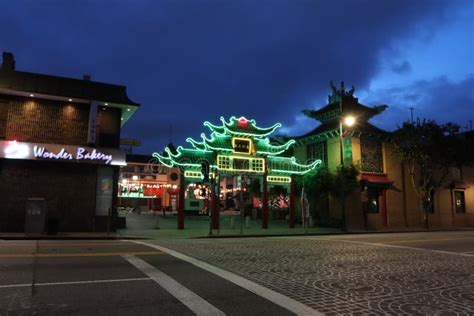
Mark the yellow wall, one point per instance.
(403, 205)
(334, 153)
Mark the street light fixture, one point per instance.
(349, 121)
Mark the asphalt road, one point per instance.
(114, 278)
(377, 274)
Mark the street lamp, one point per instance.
(349, 121)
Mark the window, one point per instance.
(223, 162)
(258, 165)
(371, 154)
(459, 202)
(318, 151)
(373, 202)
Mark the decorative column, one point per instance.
(291, 215)
(214, 206)
(265, 202)
(181, 202)
(384, 208)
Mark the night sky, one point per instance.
(189, 61)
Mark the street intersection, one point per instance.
(369, 274)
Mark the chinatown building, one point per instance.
(59, 151)
(236, 152)
(345, 136)
(146, 185)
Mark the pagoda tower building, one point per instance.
(344, 137)
(386, 199)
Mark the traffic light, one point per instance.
(205, 171)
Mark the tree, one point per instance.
(339, 183)
(344, 181)
(428, 150)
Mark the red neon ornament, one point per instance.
(243, 123)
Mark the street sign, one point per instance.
(130, 141)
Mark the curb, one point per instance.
(216, 236)
(334, 233)
(70, 238)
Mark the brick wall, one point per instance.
(47, 121)
(68, 188)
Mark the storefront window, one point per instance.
(459, 202)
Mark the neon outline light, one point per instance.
(250, 150)
(278, 179)
(220, 146)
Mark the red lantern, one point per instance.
(243, 123)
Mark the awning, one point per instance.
(458, 184)
(377, 181)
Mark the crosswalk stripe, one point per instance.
(193, 301)
(275, 297)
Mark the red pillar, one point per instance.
(214, 212)
(265, 202)
(181, 202)
(291, 215)
(384, 208)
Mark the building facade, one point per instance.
(59, 150)
(386, 199)
(146, 185)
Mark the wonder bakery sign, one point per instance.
(33, 151)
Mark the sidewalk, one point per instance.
(148, 225)
(59, 236)
(153, 226)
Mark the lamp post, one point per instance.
(349, 121)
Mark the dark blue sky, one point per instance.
(187, 61)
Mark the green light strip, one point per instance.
(278, 179)
(278, 149)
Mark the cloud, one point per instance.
(402, 68)
(440, 99)
(191, 61)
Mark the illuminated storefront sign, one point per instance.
(35, 151)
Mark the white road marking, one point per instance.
(394, 246)
(193, 301)
(275, 297)
(73, 282)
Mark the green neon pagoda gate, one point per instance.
(237, 147)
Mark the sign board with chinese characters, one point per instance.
(67, 153)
